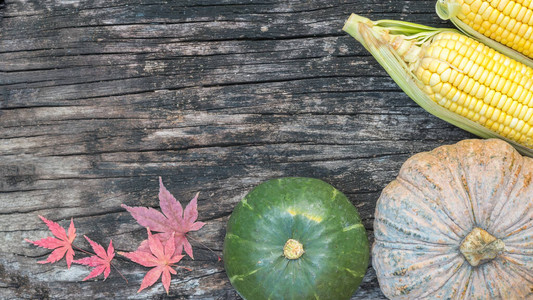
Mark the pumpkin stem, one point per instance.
(293, 249)
(480, 247)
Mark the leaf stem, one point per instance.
(120, 273)
(188, 269)
(84, 251)
(90, 253)
(197, 241)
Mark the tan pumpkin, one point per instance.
(457, 223)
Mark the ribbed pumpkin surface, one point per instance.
(307, 210)
(438, 199)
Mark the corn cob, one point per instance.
(495, 23)
(454, 77)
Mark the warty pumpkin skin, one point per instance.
(457, 223)
(295, 238)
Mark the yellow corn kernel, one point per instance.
(505, 21)
(502, 4)
(512, 108)
(496, 115)
(523, 96)
(492, 97)
(507, 104)
(526, 128)
(488, 88)
(520, 111)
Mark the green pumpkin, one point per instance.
(295, 238)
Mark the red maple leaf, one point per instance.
(62, 245)
(101, 261)
(159, 257)
(173, 220)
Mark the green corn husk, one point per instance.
(372, 35)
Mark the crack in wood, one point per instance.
(22, 286)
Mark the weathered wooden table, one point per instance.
(100, 97)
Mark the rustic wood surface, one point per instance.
(100, 97)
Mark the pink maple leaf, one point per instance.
(101, 261)
(61, 243)
(162, 259)
(173, 220)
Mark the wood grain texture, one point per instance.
(100, 97)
